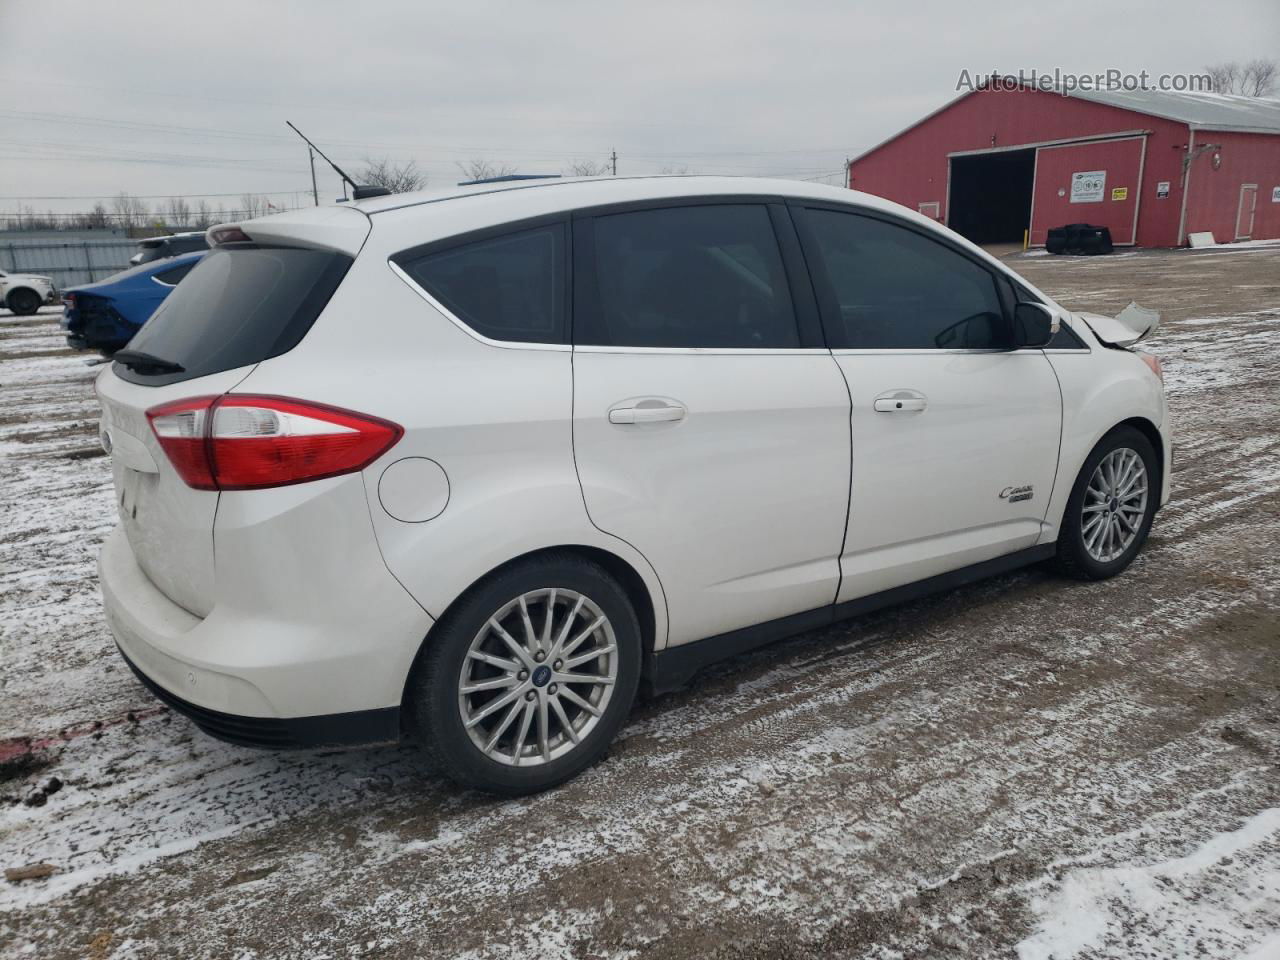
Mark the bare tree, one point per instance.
(129, 211)
(178, 212)
(587, 168)
(1257, 78)
(675, 170)
(253, 205)
(202, 217)
(398, 178)
(96, 219)
(485, 169)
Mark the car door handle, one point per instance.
(655, 414)
(901, 401)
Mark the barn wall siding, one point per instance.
(1214, 195)
(912, 169)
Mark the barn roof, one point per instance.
(1203, 111)
(1210, 111)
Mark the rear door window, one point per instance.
(240, 305)
(895, 289)
(687, 277)
(509, 286)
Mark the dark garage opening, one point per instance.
(991, 195)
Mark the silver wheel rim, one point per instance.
(537, 677)
(1115, 504)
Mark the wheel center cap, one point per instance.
(1114, 505)
(541, 676)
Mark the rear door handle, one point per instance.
(901, 401)
(653, 414)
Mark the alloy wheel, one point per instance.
(1115, 504)
(537, 677)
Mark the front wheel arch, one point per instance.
(1152, 433)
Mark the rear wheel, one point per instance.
(527, 679)
(1111, 507)
(23, 302)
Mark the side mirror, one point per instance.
(1034, 325)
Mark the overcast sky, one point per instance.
(191, 98)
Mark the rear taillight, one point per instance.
(244, 442)
(69, 301)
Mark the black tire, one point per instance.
(23, 302)
(1073, 558)
(432, 698)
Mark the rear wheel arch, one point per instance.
(628, 578)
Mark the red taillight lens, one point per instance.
(230, 235)
(244, 442)
(183, 431)
(69, 301)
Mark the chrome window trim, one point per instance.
(708, 351)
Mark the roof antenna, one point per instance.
(357, 192)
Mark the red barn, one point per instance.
(1152, 166)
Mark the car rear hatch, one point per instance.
(248, 300)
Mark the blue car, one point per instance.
(105, 315)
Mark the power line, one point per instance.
(167, 196)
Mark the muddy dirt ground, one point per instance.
(1026, 767)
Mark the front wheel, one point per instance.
(1111, 507)
(527, 679)
(24, 302)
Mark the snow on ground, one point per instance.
(1022, 767)
(1211, 902)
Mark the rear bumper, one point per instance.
(292, 679)
(365, 726)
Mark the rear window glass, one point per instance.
(509, 287)
(240, 305)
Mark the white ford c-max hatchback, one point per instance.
(473, 466)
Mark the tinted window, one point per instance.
(707, 276)
(510, 287)
(238, 306)
(897, 289)
(1065, 339)
(171, 277)
(179, 245)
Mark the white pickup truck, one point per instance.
(25, 293)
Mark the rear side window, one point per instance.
(694, 276)
(897, 289)
(508, 287)
(239, 305)
(171, 277)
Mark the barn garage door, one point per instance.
(1094, 182)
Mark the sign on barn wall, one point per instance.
(1088, 187)
(1162, 190)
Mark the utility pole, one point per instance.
(315, 194)
(613, 159)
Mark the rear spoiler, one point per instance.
(1130, 325)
